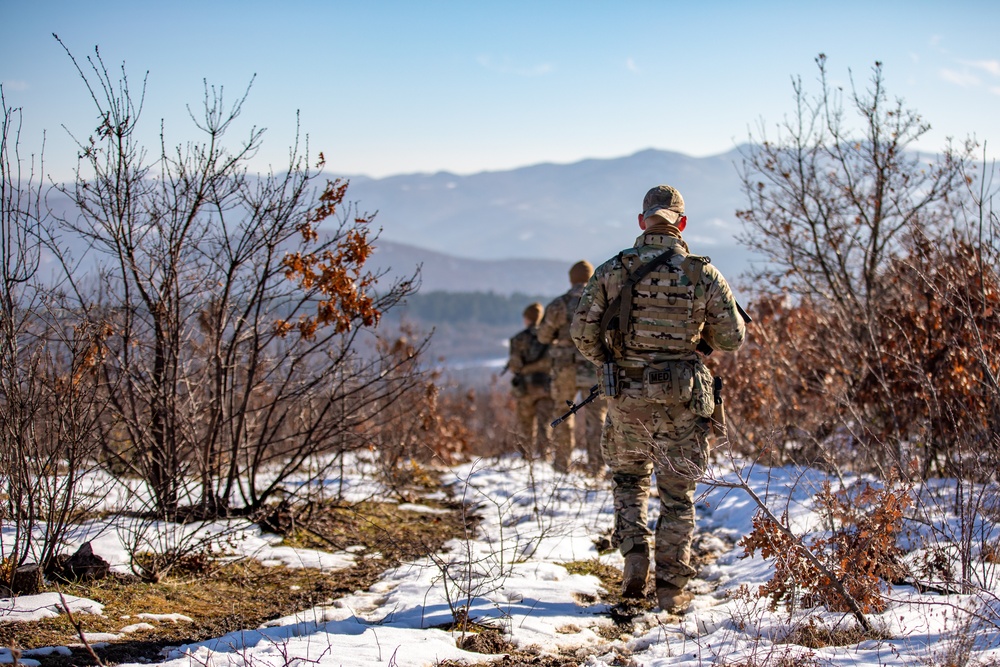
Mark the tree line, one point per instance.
(476, 307)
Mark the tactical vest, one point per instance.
(657, 305)
(532, 353)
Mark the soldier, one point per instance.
(644, 317)
(531, 385)
(571, 373)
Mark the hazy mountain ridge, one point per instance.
(520, 230)
(561, 213)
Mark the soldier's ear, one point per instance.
(642, 222)
(682, 222)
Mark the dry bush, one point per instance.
(50, 387)
(927, 391)
(940, 356)
(242, 346)
(780, 388)
(866, 274)
(441, 423)
(490, 415)
(848, 569)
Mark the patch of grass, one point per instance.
(224, 597)
(611, 577)
(812, 634)
(239, 595)
(383, 528)
(779, 658)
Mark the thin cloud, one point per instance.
(631, 66)
(15, 84)
(505, 66)
(990, 66)
(963, 78)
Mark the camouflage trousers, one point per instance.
(533, 411)
(566, 386)
(643, 437)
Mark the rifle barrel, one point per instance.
(595, 391)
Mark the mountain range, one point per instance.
(520, 230)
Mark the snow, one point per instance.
(46, 605)
(511, 575)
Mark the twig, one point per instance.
(79, 629)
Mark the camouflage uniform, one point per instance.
(530, 363)
(572, 375)
(652, 424)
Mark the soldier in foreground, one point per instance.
(641, 319)
(531, 385)
(571, 373)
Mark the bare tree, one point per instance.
(243, 345)
(832, 203)
(19, 253)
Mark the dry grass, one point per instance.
(814, 635)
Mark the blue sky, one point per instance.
(398, 87)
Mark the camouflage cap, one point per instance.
(533, 313)
(663, 201)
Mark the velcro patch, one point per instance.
(658, 377)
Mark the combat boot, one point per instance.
(634, 574)
(671, 598)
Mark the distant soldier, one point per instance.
(531, 385)
(572, 373)
(646, 312)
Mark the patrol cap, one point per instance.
(581, 272)
(663, 201)
(533, 313)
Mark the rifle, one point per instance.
(595, 392)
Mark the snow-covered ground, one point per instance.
(511, 576)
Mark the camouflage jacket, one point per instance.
(709, 306)
(554, 329)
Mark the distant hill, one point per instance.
(555, 212)
(447, 273)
